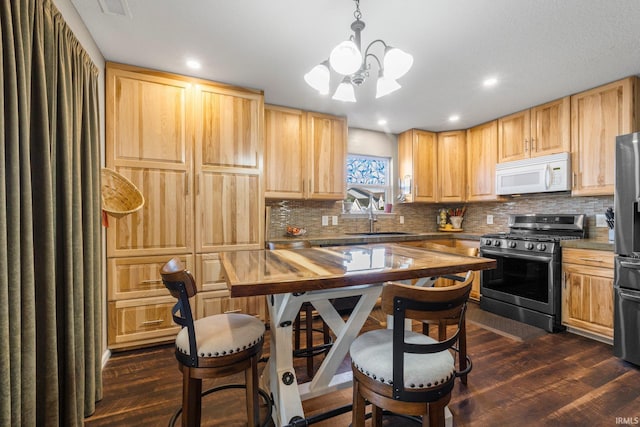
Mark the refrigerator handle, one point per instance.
(628, 296)
(636, 166)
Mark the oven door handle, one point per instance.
(540, 258)
(635, 265)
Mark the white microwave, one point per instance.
(535, 175)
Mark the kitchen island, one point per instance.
(290, 278)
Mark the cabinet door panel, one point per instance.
(602, 301)
(141, 321)
(327, 137)
(149, 119)
(285, 161)
(138, 277)
(550, 125)
(451, 166)
(163, 225)
(597, 117)
(230, 212)
(482, 156)
(218, 302)
(210, 273)
(425, 169)
(513, 136)
(228, 128)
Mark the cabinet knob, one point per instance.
(526, 145)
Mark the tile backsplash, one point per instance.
(422, 217)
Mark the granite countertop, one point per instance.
(350, 239)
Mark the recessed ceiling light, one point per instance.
(192, 63)
(492, 81)
(382, 122)
(454, 118)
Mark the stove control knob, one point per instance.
(529, 246)
(487, 242)
(512, 244)
(542, 246)
(496, 243)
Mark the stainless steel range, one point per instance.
(525, 285)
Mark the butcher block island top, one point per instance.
(265, 272)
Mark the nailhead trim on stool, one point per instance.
(223, 334)
(372, 354)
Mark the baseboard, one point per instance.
(591, 335)
(105, 357)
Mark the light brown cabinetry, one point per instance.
(538, 131)
(451, 167)
(228, 152)
(139, 308)
(305, 154)
(194, 149)
(597, 117)
(587, 292)
(417, 160)
(327, 143)
(482, 156)
(149, 142)
(285, 152)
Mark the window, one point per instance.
(368, 179)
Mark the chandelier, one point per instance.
(347, 59)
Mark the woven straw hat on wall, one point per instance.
(120, 196)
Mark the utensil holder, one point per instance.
(456, 221)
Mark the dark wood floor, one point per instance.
(555, 380)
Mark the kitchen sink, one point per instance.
(380, 233)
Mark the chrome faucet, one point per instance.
(372, 218)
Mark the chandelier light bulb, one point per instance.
(345, 91)
(396, 62)
(318, 78)
(385, 86)
(346, 58)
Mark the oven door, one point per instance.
(522, 279)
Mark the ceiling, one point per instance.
(539, 50)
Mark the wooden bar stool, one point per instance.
(403, 371)
(309, 351)
(214, 346)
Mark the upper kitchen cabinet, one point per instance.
(285, 154)
(417, 160)
(305, 154)
(482, 155)
(327, 145)
(451, 169)
(228, 168)
(597, 117)
(148, 140)
(538, 131)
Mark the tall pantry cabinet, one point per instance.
(194, 149)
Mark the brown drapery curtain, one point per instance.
(50, 289)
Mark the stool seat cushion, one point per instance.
(372, 354)
(222, 334)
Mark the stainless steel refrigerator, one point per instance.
(626, 326)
